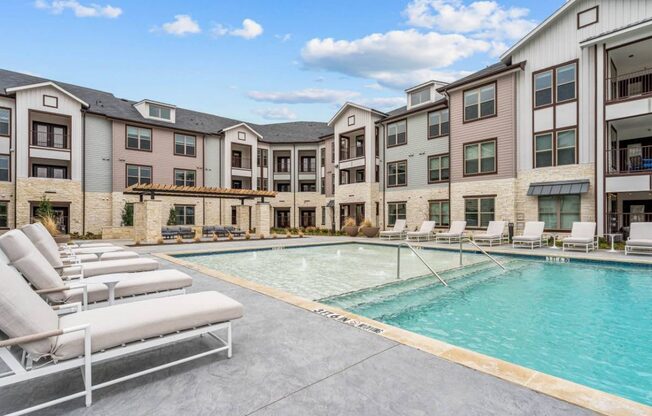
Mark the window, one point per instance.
(183, 177)
(236, 184)
(242, 136)
(157, 111)
(5, 122)
(53, 172)
(307, 187)
(359, 146)
(4, 215)
(344, 177)
(307, 217)
(559, 212)
(308, 164)
(282, 218)
(138, 174)
(262, 158)
(438, 168)
(283, 164)
(332, 183)
(359, 175)
(139, 138)
(4, 168)
(480, 103)
(479, 211)
(322, 157)
(234, 215)
(438, 124)
(344, 148)
(543, 89)
(396, 133)
(322, 186)
(439, 211)
(323, 215)
(49, 135)
(350, 120)
(397, 173)
(543, 150)
(395, 211)
(377, 174)
(262, 183)
(236, 159)
(554, 149)
(185, 214)
(566, 147)
(566, 83)
(184, 145)
(420, 96)
(480, 158)
(282, 187)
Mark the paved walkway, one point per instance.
(289, 361)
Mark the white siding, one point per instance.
(98, 166)
(212, 161)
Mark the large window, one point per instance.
(438, 168)
(262, 183)
(308, 217)
(138, 174)
(479, 211)
(282, 217)
(4, 215)
(282, 187)
(53, 172)
(397, 133)
(439, 211)
(185, 214)
(4, 168)
(322, 157)
(184, 177)
(438, 124)
(420, 96)
(359, 146)
(395, 211)
(555, 149)
(5, 122)
(184, 145)
(480, 158)
(139, 138)
(543, 89)
(480, 103)
(344, 177)
(159, 112)
(262, 158)
(283, 164)
(49, 135)
(307, 187)
(543, 150)
(566, 83)
(397, 173)
(559, 212)
(359, 175)
(308, 164)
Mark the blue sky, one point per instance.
(261, 61)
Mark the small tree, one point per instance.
(45, 209)
(128, 215)
(172, 217)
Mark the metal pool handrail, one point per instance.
(473, 243)
(398, 262)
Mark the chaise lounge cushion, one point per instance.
(639, 242)
(44, 242)
(578, 240)
(128, 322)
(118, 255)
(527, 238)
(117, 266)
(96, 250)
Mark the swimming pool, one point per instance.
(586, 322)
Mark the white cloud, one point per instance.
(305, 96)
(396, 59)
(383, 103)
(250, 29)
(275, 113)
(374, 86)
(284, 38)
(181, 26)
(79, 10)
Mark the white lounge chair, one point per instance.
(45, 343)
(71, 249)
(397, 232)
(44, 242)
(532, 235)
(454, 234)
(424, 233)
(640, 238)
(583, 236)
(495, 234)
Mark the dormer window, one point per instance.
(156, 111)
(419, 97)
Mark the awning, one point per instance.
(559, 188)
(331, 203)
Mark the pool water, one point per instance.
(590, 323)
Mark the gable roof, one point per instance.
(358, 106)
(245, 125)
(491, 70)
(47, 84)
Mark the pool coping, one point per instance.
(562, 389)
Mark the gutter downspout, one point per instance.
(83, 170)
(294, 178)
(15, 147)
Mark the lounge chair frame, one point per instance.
(532, 243)
(492, 240)
(634, 249)
(398, 235)
(589, 246)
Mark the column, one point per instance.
(263, 218)
(147, 221)
(243, 217)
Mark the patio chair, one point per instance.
(397, 232)
(169, 232)
(236, 232)
(454, 234)
(582, 236)
(16, 245)
(186, 232)
(495, 234)
(532, 235)
(220, 231)
(207, 230)
(425, 232)
(41, 343)
(640, 238)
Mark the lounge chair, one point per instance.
(220, 231)
(168, 232)
(425, 232)
(495, 234)
(46, 343)
(454, 234)
(532, 235)
(16, 245)
(72, 249)
(583, 236)
(640, 238)
(236, 232)
(397, 232)
(207, 230)
(186, 232)
(44, 242)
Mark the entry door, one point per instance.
(637, 213)
(345, 212)
(282, 218)
(61, 216)
(359, 213)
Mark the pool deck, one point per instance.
(290, 361)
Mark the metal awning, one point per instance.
(331, 203)
(559, 188)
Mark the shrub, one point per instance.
(366, 223)
(44, 208)
(172, 217)
(214, 238)
(127, 215)
(349, 222)
(300, 234)
(274, 235)
(247, 235)
(159, 240)
(50, 224)
(230, 237)
(261, 236)
(179, 240)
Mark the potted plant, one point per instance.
(368, 229)
(350, 228)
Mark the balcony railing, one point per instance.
(629, 160)
(282, 167)
(240, 162)
(309, 168)
(630, 85)
(618, 222)
(53, 140)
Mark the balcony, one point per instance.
(631, 85)
(630, 160)
(57, 141)
(240, 162)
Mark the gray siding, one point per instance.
(212, 156)
(98, 165)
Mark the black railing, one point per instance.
(618, 222)
(628, 160)
(630, 85)
(54, 140)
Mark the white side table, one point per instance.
(613, 237)
(110, 281)
(554, 240)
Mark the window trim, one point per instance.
(56, 101)
(479, 87)
(479, 142)
(151, 138)
(438, 155)
(42, 165)
(185, 146)
(185, 206)
(10, 123)
(558, 212)
(440, 123)
(420, 91)
(554, 84)
(151, 171)
(8, 167)
(174, 175)
(160, 108)
(479, 198)
(570, 100)
(554, 133)
(403, 120)
(387, 173)
(440, 201)
(395, 203)
(7, 203)
(552, 89)
(597, 16)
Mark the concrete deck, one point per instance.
(289, 361)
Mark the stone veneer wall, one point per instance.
(99, 210)
(7, 195)
(504, 201)
(417, 206)
(366, 192)
(33, 189)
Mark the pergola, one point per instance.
(153, 189)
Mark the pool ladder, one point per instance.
(398, 262)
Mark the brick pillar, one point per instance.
(147, 221)
(263, 217)
(243, 217)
